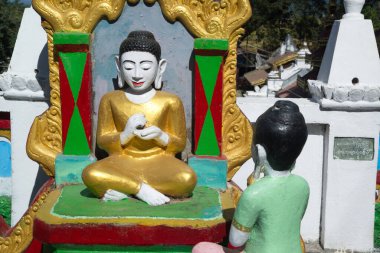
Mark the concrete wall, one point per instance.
(24, 170)
(342, 194)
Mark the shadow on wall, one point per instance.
(42, 72)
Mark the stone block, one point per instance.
(68, 168)
(211, 171)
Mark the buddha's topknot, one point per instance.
(142, 41)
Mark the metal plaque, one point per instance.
(353, 148)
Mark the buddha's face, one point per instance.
(139, 69)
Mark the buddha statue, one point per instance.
(269, 213)
(141, 129)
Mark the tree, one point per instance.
(10, 16)
(272, 20)
(371, 10)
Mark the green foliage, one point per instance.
(10, 16)
(272, 20)
(305, 20)
(371, 11)
(5, 208)
(377, 226)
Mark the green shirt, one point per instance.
(272, 209)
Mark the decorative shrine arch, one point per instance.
(209, 19)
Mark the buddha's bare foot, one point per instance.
(112, 195)
(151, 196)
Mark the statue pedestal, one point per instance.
(73, 219)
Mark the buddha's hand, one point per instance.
(151, 133)
(135, 122)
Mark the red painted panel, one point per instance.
(67, 101)
(34, 247)
(201, 106)
(217, 107)
(72, 48)
(5, 124)
(3, 226)
(125, 235)
(84, 99)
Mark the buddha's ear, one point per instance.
(261, 153)
(160, 71)
(120, 80)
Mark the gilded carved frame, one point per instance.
(213, 19)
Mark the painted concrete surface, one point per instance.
(30, 36)
(5, 158)
(24, 170)
(5, 186)
(68, 168)
(343, 190)
(176, 46)
(351, 52)
(210, 172)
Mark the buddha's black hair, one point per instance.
(282, 131)
(142, 41)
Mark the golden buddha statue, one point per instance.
(141, 129)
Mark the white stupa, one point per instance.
(349, 77)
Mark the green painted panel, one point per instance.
(76, 141)
(204, 204)
(74, 64)
(71, 38)
(208, 144)
(211, 44)
(209, 68)
(114, 249)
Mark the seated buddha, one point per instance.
(141, 129)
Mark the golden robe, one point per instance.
(140, 161)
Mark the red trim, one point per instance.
(230, 246)
(201, 107)
(217, 106)
(125, 235)
(3, 226)
(210, 52)
(5, 124)
(84, 100)
(67, 101)
(222, 157)
(67, 48)
(34, 247)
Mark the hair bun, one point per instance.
(141, 35)
(142, 41)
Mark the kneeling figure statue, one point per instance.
(269, 213)
(141, 129)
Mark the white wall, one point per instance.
(24, 170)
(351, 52)
(342, 191)
(31, 39)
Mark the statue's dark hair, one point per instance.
(282, 131)
(143, 41)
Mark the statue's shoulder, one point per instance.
(112, 95)
(169, 97)
(300, 181)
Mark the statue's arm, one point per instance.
(176, 129)
(245, 217)
(107, 137)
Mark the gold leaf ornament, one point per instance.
(77, 15)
